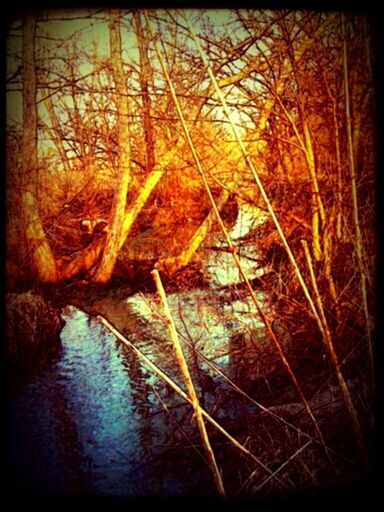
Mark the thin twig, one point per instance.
(280, 467)
(252, 168)
(177, 424)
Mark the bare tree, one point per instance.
(116, 219)
(40, 252)
(144, 78)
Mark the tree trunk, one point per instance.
(318, 212)
(339, 191)
(356, 221)
(87, 259)
(83, 262)
(145, 191)
(112, 243)
(144, 76)
(174, 263)
(42, 259)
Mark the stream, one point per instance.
(97, 421)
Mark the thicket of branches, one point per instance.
(299, 86)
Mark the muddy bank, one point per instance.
(32, 333)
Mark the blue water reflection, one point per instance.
(75, 429)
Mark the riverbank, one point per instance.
(32, 333)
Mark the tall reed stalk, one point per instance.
(232, 248)
(356, 221)
(189, 383)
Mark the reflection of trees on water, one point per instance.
(70, 449)
(136, 376)
(47, 453)
(95, 424)
(156, 429)
(140, 395)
